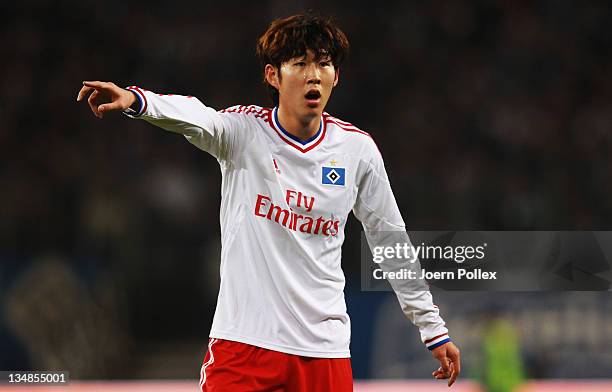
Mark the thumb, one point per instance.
(107, 107)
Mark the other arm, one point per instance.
(377, 210)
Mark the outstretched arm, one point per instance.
(202, 126)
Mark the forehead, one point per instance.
(311, 55)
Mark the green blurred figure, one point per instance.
(503, 366)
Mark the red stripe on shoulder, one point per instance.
(342, 121)
(252, 110)
(348, 127)
(344, 125)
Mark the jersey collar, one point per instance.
(301, 145)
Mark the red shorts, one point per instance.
(237, 367)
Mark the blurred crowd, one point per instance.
(491, 115)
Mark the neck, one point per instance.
(300, 127)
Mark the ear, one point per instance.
(336, 77)
(271, 75)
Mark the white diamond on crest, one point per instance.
(333, 176)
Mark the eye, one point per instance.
(300, 63)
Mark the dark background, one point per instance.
(491, 115)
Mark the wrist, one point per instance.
(138, 102)
(437, 341)
(133, 102)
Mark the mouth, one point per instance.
(313, 97)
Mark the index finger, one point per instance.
(453, 377)
(84, 90)
(456, 360)
(96, 84)
(456, 364)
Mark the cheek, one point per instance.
(297, 85)
(291, 78)
(330, 77)
(288, 85)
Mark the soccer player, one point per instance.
(291, 175)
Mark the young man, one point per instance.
(291, 175)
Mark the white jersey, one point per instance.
(284, 206)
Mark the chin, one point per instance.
(314, 112)
(318, 107)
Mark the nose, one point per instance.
(312, 74)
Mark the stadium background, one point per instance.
(491, 115)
